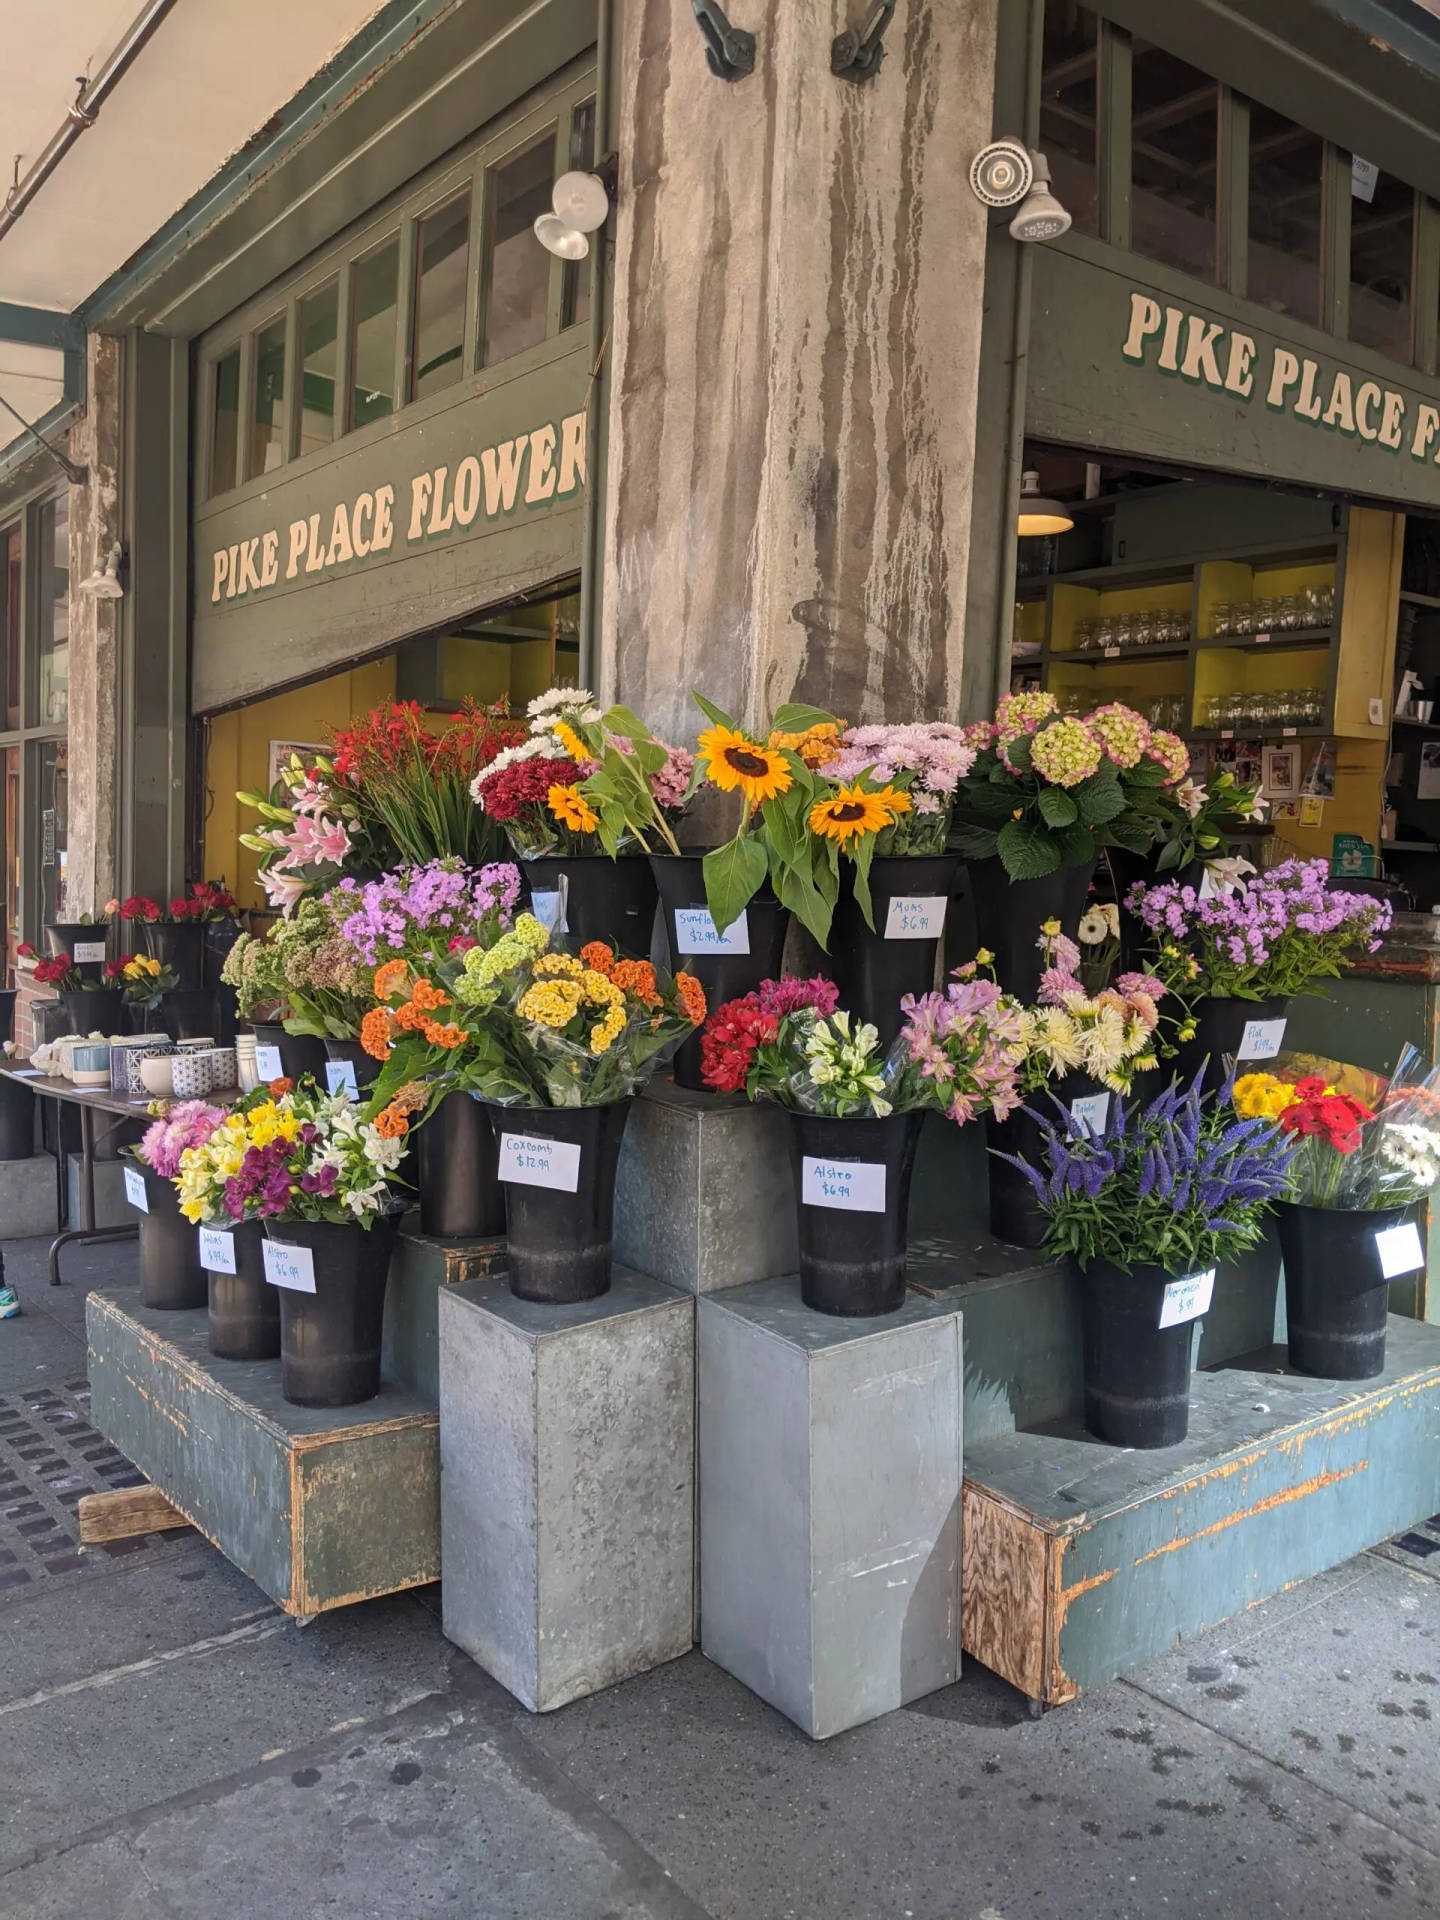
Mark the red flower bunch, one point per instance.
(515, 790)
(52, 970)
(392, 738)
(114, 969)
(139, 907)
(25, 951)
(733, 1034)
(1321, 1113)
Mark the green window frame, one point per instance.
(561, 115)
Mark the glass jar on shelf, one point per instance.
(1222, 620)
(1084, 636)
(1242, 619)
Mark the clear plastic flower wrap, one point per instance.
(1402, 1148)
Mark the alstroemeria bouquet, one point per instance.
(1110, 1035)
(968, 1043)
(522, 1026)
(788, 1042)
(1180, 1184)
(794, 819)
(1048, 790)
(298, 1155)
(189, 1123)
(1276, 934)
(927, 760)
(585, 777)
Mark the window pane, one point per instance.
(52, 528)
(267, 442)
(54, 825)
(226, 413)
(1286, 170)
(1172, 166)
(575, 287)
(10, 550)
(319, 324)
(1382, 241)
(442, 260)
(1067, 108)
(10, 880)
(517, 283)
(373, 332)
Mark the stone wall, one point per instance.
(94, 637)
(797, 306)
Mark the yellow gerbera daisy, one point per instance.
(850, 813)
(732, 762)
(572, 809)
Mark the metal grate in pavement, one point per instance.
(50, 1456)
(1419, 1549)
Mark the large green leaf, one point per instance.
(796, 716)
(864, 854)
(1027, 850)
(734, 873)
(1146, 773)
(797, 891)
(715, 715)
(1057, 809)
(987, 804)
(975, 843)
(1017, 753)
(1075, 846)
(785, 824)
(625, 722)
(1100, 799)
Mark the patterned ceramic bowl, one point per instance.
(190, 1075)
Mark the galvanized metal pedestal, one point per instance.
(829, 1502)
(567, 1442)
(686, 1160)
(1083, 1561)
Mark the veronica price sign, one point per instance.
(488, 484)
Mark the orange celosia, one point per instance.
(439, 1036)
(596, 954)
(429, 997)
(692, 998)
(410, 1018)
(390, 978)
(391, 1125)
(375, 1033)
(637, 977)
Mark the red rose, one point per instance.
(25, 950)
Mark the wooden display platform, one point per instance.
(319, 1506)
(1081, 1561)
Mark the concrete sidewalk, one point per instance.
(173, 1748)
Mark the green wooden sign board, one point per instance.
(397, 530)
(1124, 357)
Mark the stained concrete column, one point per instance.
(94, 637)
(795, 339)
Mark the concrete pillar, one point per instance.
(795, 340)
(94, 637)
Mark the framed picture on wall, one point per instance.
(280, 752)
(1282, 772)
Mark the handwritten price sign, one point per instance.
(287, 1266)
(854, 1186)
(217, 1250)
(530, 1160)
(340, 1078)
(915, 917)
(135, 1189)
(1187, 1299)
(696, 932)
(1261, 1040)
(267, 1063)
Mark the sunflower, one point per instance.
(571, 741)
(572, 809)
(851, 812)
(732, 761)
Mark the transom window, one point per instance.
(450, 285)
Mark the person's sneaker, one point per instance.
(9, 1303)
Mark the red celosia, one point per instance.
(516, 789)
(729, 1041)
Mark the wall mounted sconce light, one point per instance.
(581, 203)
(104, 583)
(1009, 174)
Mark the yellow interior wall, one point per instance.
(1356, 808)
(238, 756)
